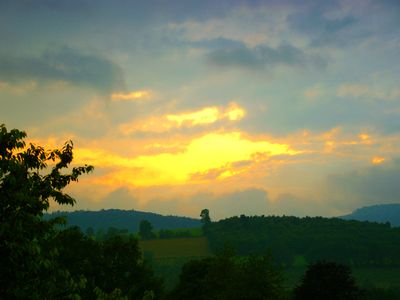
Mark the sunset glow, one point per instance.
(378, 160)
(204, 116)
(214, 151)
(294, 103)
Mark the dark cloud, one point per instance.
(315, 23)
(63, 6)
(63, 64)
(292, 205)
(136, 10)
(248, 202)
(327, 32)
(218, 43)
(374, 185)
(262, 56)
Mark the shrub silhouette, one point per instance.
(328, 281)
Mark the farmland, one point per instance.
(174, 248)
(167, 256)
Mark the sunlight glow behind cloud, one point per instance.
(208, 152)
(204, 116)
(377, 160)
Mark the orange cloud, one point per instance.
(201, 117)
(212, 151)
(132, 96)
(377, 160)
(206, 115)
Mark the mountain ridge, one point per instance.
(122, 219)
(380, 213)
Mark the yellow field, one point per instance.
(179, 247)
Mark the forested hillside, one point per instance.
(123, 219)
(377, 213)
(295, 240)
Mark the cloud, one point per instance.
(376, 160)
(201, 155)
(63, 64)
(263, 56)
(250, 201)
(314, 92)
(367, 91)
(18, 89)
(216, 43)
(131, 96)
(322, 31)
(201, 117)
(365, 186)
(292, 205)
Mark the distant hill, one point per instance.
(377, 213)
(297, 241)
(123, 219)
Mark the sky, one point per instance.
(242, 107)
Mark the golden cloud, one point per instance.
(212, 151)
(132, 96)
(201, 117)
(377, 160)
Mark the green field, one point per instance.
(194, 232)
(167, 256)
(175, 248)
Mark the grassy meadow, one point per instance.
(167, 256)
(175, 248)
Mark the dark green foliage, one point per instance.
(205, 219)
(113, 266)
(205, 216)
(27, 262)
(124, 269)
(227, 276)
(350, 242)
(82, 256)
(146, 230)
(373, 293)
(329, 281)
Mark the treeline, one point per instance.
(144, 234)
(111, 268)
(122, 219)
(295, 240)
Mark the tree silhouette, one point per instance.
(226, 276)
(205, 216)
(27, 261)
(328, 281)
(146, 230)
